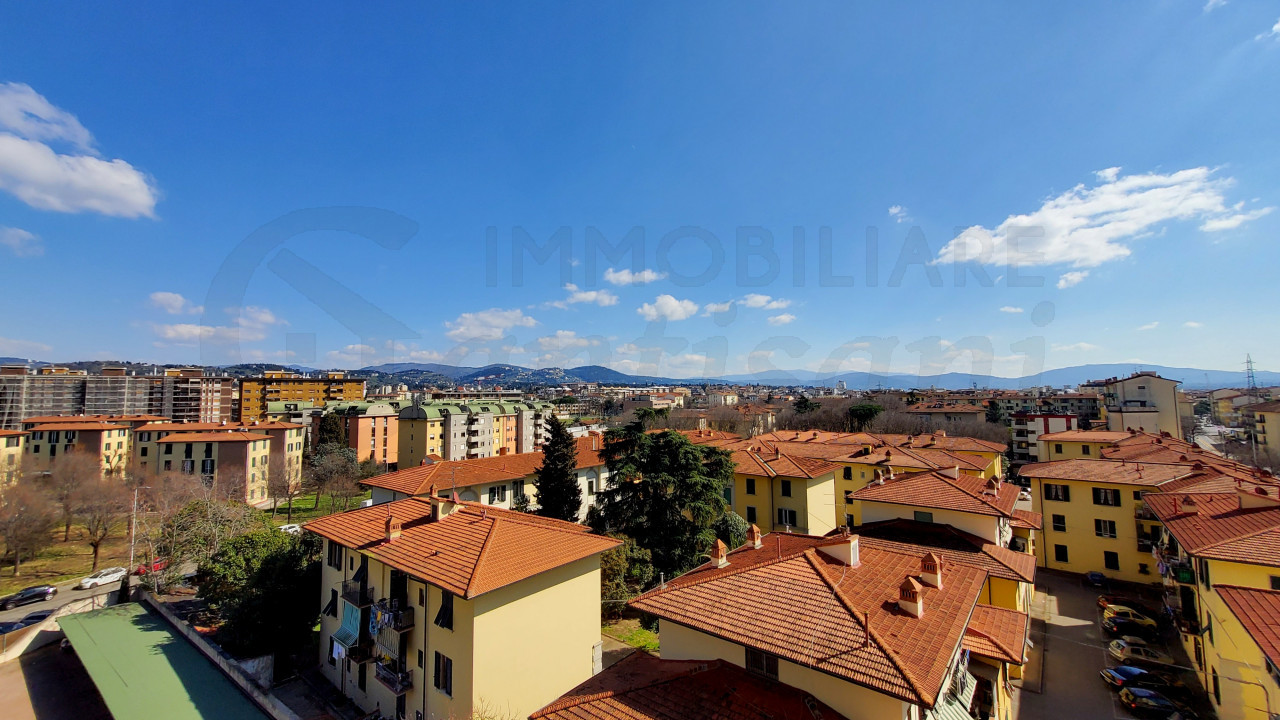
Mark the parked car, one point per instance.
(291, 528)
(1123, 676)
(1106, 601)
(1127, 613)
(1119, 627)
(1135, 651)
(26, 596)
(8, 627)
(35, 617)
(156, 566)
(1094, 578)
(1025, 495)
(1147, 703)
(105, 576)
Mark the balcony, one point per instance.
(361, 652)
(1145, 545)
(1142, 512)
(1181, 572)
(394, 615)
(357, 593)
(393, 678)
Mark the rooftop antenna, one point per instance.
(1252, 383)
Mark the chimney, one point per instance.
(942, 433)
(442, 508)
(1189, 505)
(931, 570)
(909, 599)
(845, 551)
(720, 554)
(754, 538)
(393, 529)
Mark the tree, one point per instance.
(665, 492)
(804, 405)
(731, 529)
(331, 464)
(556, 480)
(101, 504)
(860, 416)
(67, 474)
(332, 431)
(648, 416)
(1202, 407)
(565, 400)
(995, 413)
(625, 572)
(26, 517)
(282, 485)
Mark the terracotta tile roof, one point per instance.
(939, 440)
(642, 687)
(470, 551)
(1220, 529)
(417, 480)
(202, 426)
(12, 433)
(80, 426)
(911, 536)
(1028, 520)
(810, 450)
(90, 418)
(699, 437)
(751, 458)
(213, 437)
(1106, 471)
(1089, 436)
(911, 457)
(997, 633)
(1270, 406)
(1259, 612)
(793, 600)
(937, 489)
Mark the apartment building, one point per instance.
(183, 394)
(786, 493)
(257, 393)
(870, 629)
(12, 447)
(1143, 401)
(984, 508)
(436, 609)
(946, 412)
(1258, 418)
(163, 447)
(1220, 560)
(372, 429)
(46, 441)
(496, 481)
(474, 430)
(1069, 444)
(1027, 429)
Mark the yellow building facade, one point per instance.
(12, 446)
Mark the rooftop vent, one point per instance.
(909, 597)
(931, 569)
(720, 554)
(754, 538)
(845, 551)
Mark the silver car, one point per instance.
(105, 576)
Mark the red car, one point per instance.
(156, 567)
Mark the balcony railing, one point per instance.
(1181, 572)
(357, 594)
(361, 652)
(393, 615)
(396, 680)
(1142, 512)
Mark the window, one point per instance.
(727, 492)
(1059, 493)
(362, 676)
(751, 513)
(168, 465)
(422, 659)
(142, 451)
(751, 486)
(1137, 494)
(1204, 573)
(335, 556)
(1060, 553)
(1104, 528)
(786, 488)
(168, 448)
(591, 486)
(848, 520)
(1111, 560)
(1057, 447)
(422, 597)
(1217, 689)
(332, 661)
(1208, 627)
(444, 616)
(762, 663)
(1106, 496)
(1059, 523)
(1084, 449)
(786, 517)
(848, 473)
(922, 516)
(443, 675)
(1275, 582)
(497, 494)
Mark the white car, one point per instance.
(292, 529)
(105, 576)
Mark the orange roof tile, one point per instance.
(80, 426)
(937, 489)
(912, 536)
(1089, 436)
(792, 600)
(1117, 472)
(643, 687)
(1219, 528)
(1027, 519)
(12, 433)
(1259, 613)
(470, 551)
(213, 437)
(997, 633)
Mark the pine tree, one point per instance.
(556, 482)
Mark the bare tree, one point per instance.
(26, 517)
(68, 473)
(343, 488)
(282, 485)
(101, 504)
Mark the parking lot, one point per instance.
(1075, 651)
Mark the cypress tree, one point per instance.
(559, 495)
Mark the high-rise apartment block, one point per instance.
(284, 386)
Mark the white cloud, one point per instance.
(713, 308)
(782, 319)
(352, 356)
(1272, 34)
(899, 213)
(22, 348)
(20, 242)
(667, 307)
(1231, 222)
(1086, 227)
(1150, 326)
(1071, 279)
(251, 324)
(487, 325)
(603, 298)
(71, 182)
(174, 304)
(1212, 5)
(1192, 324)
(1075, 347)
(755, 300)
(627, 277)
(1011, 309)
(565, 340)
(252, 316)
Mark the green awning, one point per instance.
(953, 705)
(349, 632)
(144, 668)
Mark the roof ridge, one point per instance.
(701, 667)
(897, 662)
(480, 558)
(811, 554)
(791, 555)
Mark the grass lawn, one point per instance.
(64, 561)
(628, 631)
(303, 511)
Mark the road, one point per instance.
(66, 594)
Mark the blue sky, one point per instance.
(1056, 185)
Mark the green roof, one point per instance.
(144, 668)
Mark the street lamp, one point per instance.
(133, 523)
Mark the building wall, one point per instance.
(1152, 391)
(820, 504)
(12, 447)
(1085, 549)
(112, 446)
(1070, 449)
(986, 527)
